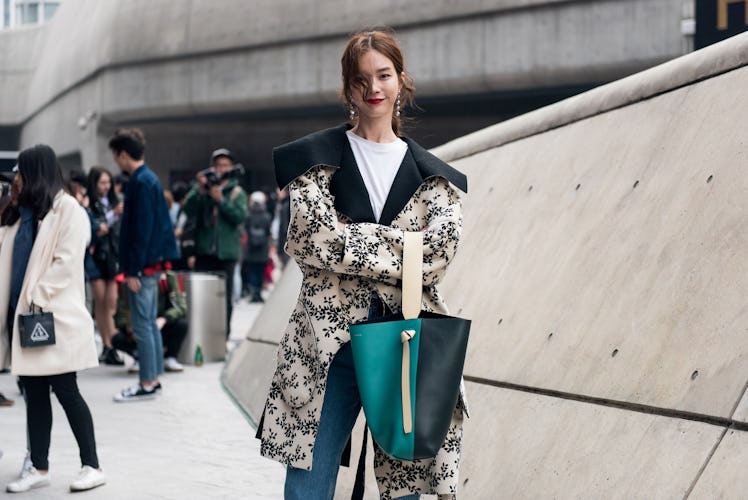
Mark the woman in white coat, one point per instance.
(43, 236)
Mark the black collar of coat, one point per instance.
(331, 147)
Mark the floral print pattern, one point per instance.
(340, 269)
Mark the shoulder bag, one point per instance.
(409, 367)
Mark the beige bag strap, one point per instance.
(412, 273)
(412, 293)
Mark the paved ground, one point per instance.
(190, 443)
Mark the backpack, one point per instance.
(257, 236)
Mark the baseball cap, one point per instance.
(222, 152)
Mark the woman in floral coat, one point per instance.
(355, 190)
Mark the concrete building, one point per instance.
(22, 13)
(244, 75)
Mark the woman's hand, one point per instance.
(341, 227)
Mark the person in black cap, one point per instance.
(219, 205)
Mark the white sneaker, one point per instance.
(88, 478)
(31, 478)
(27, 465)
(134, 367)
(136, 393)
(172, 365)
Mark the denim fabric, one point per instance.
(339, 412)
(22, 246)
(143, 313)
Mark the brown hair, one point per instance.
(382, 40)
(129, 140)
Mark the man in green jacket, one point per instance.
(218, 205)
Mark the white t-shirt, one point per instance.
(378, 164)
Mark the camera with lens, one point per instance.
(4, 189)
(213, 179)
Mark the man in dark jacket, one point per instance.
(147, 245)
(219, 206)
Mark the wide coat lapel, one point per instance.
(348, 188)
(331, 147)
(407, 181)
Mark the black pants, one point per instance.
(253, 276)
(211, 263)
(39, 417)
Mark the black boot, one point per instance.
(112, 358)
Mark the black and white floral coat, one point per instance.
(340, 269)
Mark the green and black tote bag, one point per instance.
(409, 368)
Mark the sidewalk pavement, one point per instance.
(191, 442)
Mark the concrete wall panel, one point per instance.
(610, 290)
(64, 134)
(20, 48)
(741, 413)
(725, 476)
(272, 320)
(252, 364)
(522, 446)
(248, 374)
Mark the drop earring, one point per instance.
(397, 105)
(351, 109)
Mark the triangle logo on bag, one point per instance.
(39, 334)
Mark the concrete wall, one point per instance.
(144, 61)
(603, 264)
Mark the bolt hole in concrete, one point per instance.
(614, 353)
(709, 179)
(550, 335)
(500, 320)
(577, 188)
(636, 184)
(694, 374)
(490, 190)
(529, 189)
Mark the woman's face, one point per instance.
(17, 185)
(377, 99)
(103, 185)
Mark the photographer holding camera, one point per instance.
(219, 206)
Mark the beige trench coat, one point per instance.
(54, 281)
(340, 269)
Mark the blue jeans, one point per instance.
(143, 314)
(339, 412)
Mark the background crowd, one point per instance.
(142, 241)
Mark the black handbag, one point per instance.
(37, 328)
